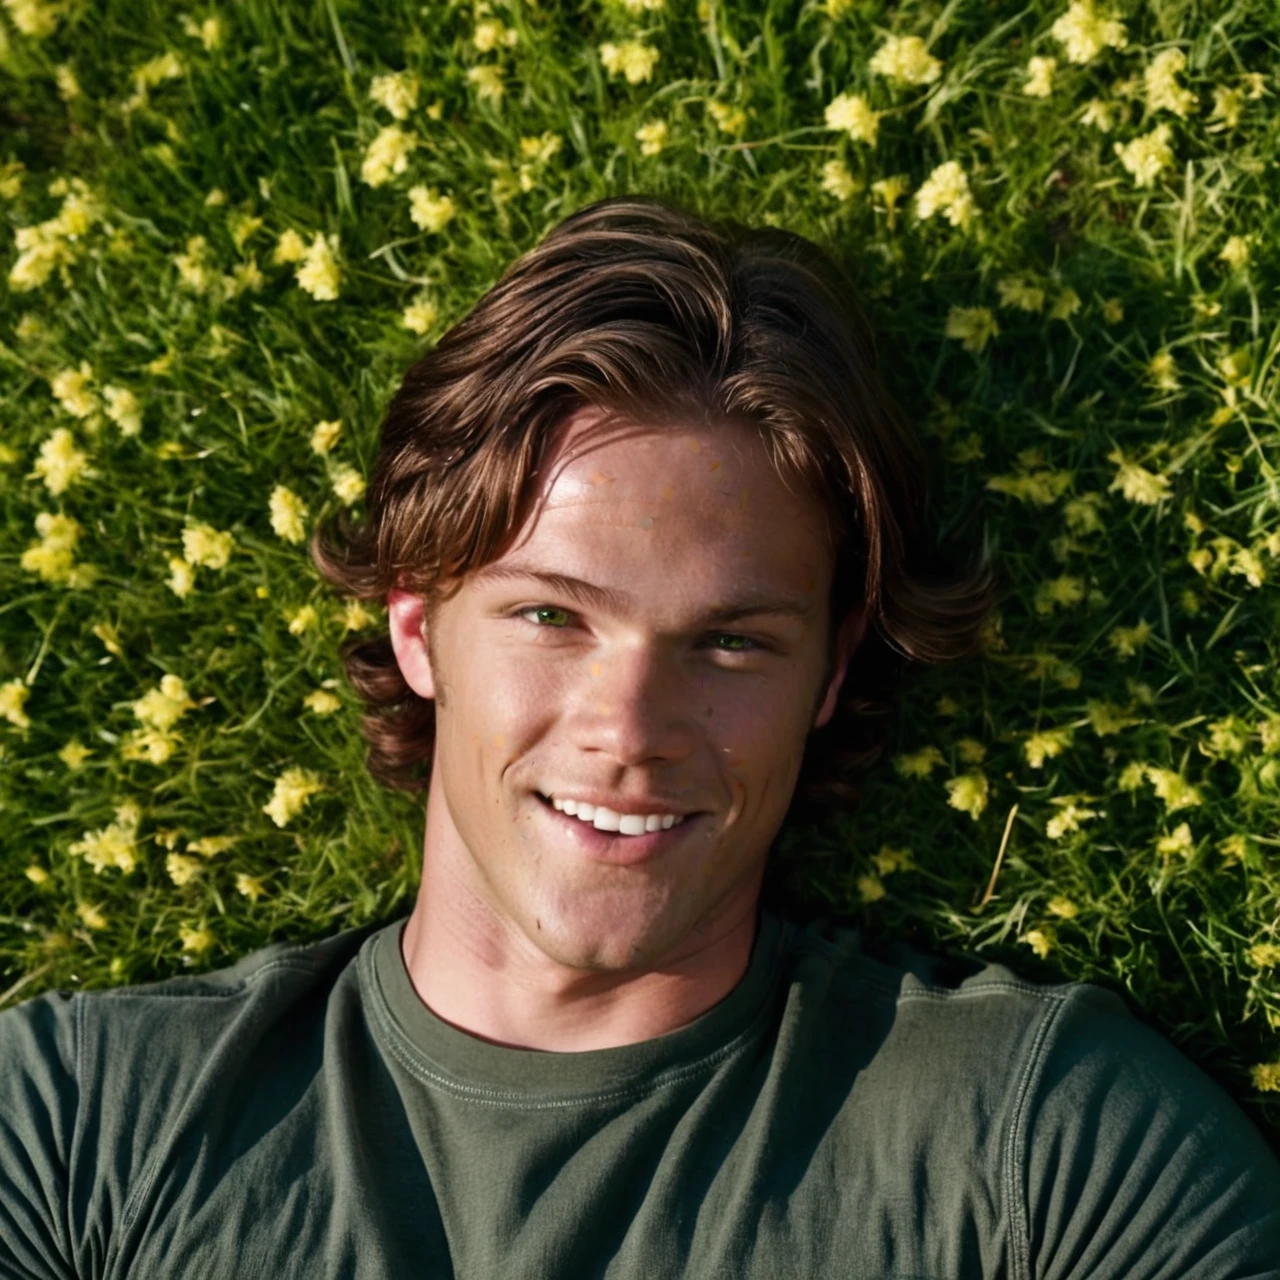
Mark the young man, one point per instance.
(647, 529)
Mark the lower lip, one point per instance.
(612, 846)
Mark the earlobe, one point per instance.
(850, 637)
(406, 617)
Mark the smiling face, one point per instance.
(641, 689)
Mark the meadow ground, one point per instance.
(225, 234)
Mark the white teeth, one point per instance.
(605, 819)
(627, 824)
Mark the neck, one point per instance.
(478, 971)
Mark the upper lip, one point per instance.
(627, 805)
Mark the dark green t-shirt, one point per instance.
(304, 1114)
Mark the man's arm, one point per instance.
(39, 1096)
(1133, 1164)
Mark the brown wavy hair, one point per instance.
(659, 316)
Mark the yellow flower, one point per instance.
(165, 66)
(1126, 641)
(250, 886)
(181, 868)
(1113, 311)
(1016, 292)
(1227, 105)
(91, 916)
(325, 435)
(838, 181)
(1136, 482)
(288, 514)
(920, 764)
(1269, 732)
(1163, 371)
(1040, 488)
(1039, 82)
(1236, 848)
(969, 793)
(289, 248)
(1235, 253)
(488, 83)
(292, 790)
(1044, 744)
(193, 270)
(123, 409)
(870, 889)
(974, 326)
(1178, 841)
(68, 85)
(1039, 940)
(322, 702)
(396, 92)
(302, 619)
(889, 860)
(1085, 33)
(355, 617)
(195, 941)
(72, 391)
(13, 697)
(852, 113)
(732, 120)
(1266, 1077)
(1071, 813)
(1227, 737)
(1173, 788)
(60, 464)
(490, 33)
(347, 483)
(203, 544)
(652, 137)
(1164, 93)
(1065, 305)
(243, 225)
(114, 845)
(318, 275)
(35, 18)
(210, 846)
(429, 211)
(74, 754)
(388, 154)
(1146, 155)
(182, 577)
(1105, 718)
(51, 557)
(1063, 591)
(420, 316)
(971, 751)
(1265, 955)
(906, 59)
(153, 745)
(36, 874)
(11, 180)
(1063, 907)
(890, 190)
(163, 707)
(632, 58)
(946, 191)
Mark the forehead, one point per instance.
(697, 504)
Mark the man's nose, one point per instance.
(637, 705)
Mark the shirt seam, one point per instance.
(1015, 1145)
(409, 1058)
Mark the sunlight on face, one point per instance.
(636, 689)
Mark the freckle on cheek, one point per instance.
(595, 671)
(499, 741)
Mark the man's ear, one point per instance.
(406, 614)
(852, 630)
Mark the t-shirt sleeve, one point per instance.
(38, 1102)
(1133, 1164)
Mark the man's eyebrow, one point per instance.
(608, 600)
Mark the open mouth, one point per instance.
(615, 846)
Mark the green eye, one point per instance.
(546, 608)
(745, 639)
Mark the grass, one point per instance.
(1089, 350)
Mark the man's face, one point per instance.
(635, 693)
